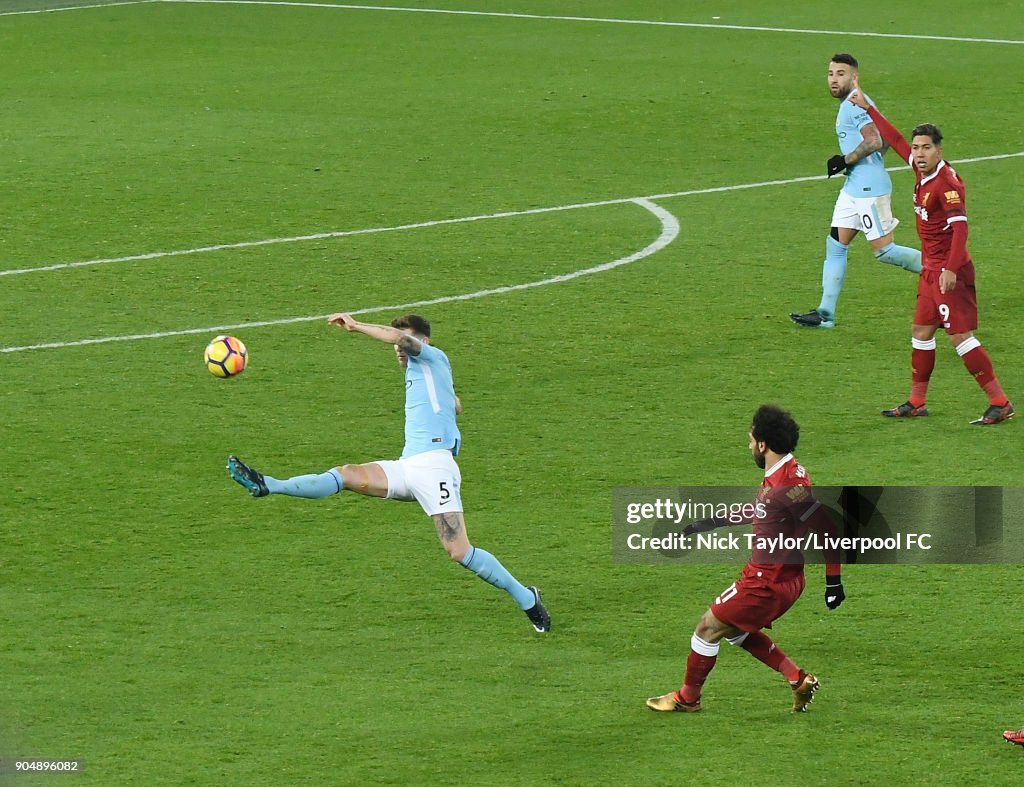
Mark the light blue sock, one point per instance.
(489, 569)
(313, 486)
(832, 274)
(903, 256)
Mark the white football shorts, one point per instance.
(432, 479)
(871, 215)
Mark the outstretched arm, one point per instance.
(881, 124)
(408, 344)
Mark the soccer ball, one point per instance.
(225, 356)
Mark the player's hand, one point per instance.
(947, 281)
(703, 525)
(836, 164)
(857, 96)
(343, 320)
(834, 593)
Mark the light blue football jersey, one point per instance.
(867, 177)
(429, 403)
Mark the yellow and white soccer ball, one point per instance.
(226, 356)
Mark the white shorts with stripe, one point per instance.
(870, 215)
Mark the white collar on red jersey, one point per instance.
(938, 168)
(775, 467)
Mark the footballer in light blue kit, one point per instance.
(426, 471)
(868, 178)
(863, 204)
(430, 403)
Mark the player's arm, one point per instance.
(953, 202)
(871, 143)
(458, 405)
(407, 343)
(816, 517)
(810, 512)
(886, 130)
(958, 248)
(890, 134)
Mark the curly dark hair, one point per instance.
(775, 427)
(418, 325)
(928, 130)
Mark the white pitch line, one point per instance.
(669, 232)
(606, 20)
(75, 7)
(248, 244)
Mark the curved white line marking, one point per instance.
(248, 244)
(669, 232)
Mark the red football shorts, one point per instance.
(956, 311)
(752, 602)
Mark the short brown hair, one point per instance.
(413, 322)
(845, 57)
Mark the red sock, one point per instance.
(761, 647)
(980, 365)
(697, 669)
(922, 363)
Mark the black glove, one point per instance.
(836, 164)
(703, 525)
(834, 594)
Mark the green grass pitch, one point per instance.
(167, 629)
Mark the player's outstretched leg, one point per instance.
(902, 256)
(451, 530)
(490, 570)
(1014, 736)
(312, 486)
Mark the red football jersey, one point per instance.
(787, 502)
(940, 201)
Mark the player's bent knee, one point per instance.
(457, 550)
(356, 478)
(711, 629)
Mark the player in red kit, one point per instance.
(773, 579)
(945, 293)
